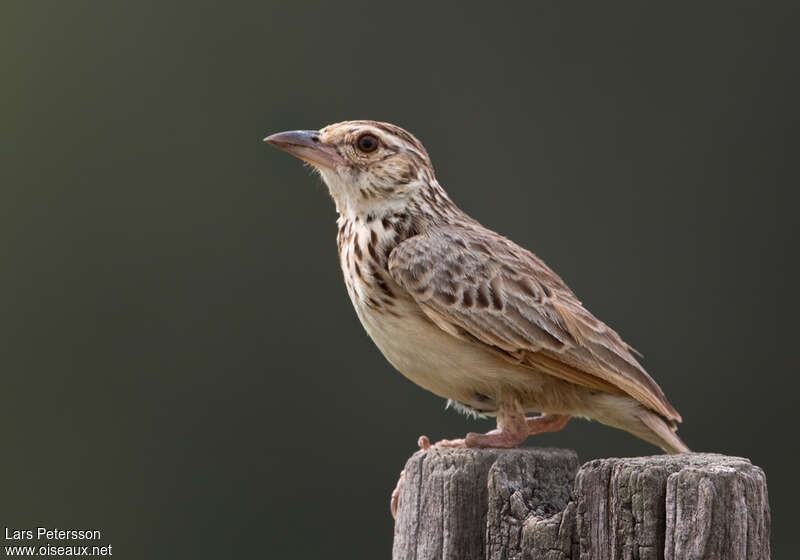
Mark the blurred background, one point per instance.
(181, 365)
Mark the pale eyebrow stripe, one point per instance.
(394, 139)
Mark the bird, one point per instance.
(461, 310)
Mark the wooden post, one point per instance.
(536, 503)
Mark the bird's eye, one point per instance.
(367, 143)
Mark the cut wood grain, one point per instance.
(535, 503)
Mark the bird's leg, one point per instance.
(546, 422)
(512, 429)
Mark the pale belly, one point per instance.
(448, 366)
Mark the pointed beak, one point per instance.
(306, 145)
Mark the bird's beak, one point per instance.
(306, 145)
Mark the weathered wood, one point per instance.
(447, 494)
(718, 510)
(678, 507)
(528, 492)
(522, 504)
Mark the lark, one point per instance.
(464, 312)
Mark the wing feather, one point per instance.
(475, 284)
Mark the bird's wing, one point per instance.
(475, 284)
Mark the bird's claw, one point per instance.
(395, 499)
(424, 443)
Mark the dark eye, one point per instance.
(367, 143)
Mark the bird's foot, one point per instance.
(512, 429)
(424, 443)
(510, 433)
(395, 499)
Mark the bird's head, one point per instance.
(369, 166)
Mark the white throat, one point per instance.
(350, 202)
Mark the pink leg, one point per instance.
(511, 430)
(546, 423)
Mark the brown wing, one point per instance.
(474, 283)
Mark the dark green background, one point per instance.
(181, 366)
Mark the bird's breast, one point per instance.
(430, 357)
(364, 248)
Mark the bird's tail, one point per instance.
(626, 413)
(664, 432)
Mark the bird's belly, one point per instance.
(450, 367)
